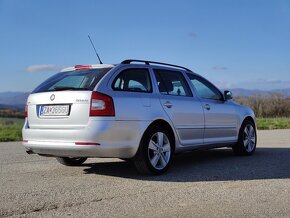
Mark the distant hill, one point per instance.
(17, 100)
(13, 100)
(18, 107)
(253, 92)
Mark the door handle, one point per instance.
(207, 106)
(168, 104)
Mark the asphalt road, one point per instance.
(200, 184)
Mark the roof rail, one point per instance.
(153, 62)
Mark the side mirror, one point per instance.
(228, 95)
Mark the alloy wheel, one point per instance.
(249, 138)
(159, 150)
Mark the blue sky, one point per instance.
(243, 44)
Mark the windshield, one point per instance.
(72, 80)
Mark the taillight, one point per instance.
(26, 109)
(101, 105)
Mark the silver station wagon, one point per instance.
(137, 110)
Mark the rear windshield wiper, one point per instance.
(62, 88)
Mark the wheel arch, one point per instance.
(249, 118)
(239, 148)
(165, 124)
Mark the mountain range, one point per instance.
(255, 92)
(17, 100)
(13, 100)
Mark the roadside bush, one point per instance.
(11, 113)
(273, 105)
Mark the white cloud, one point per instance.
(219, 68)
(42, 68)
(192, 35)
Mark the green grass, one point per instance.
(273, 123)
(10, 129)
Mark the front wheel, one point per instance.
(155, 151)
(247, 141)
(71, 161)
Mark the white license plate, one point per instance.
(53, 110)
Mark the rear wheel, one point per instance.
(71, 161)
(247, 141)
(155, 151)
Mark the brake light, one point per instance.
(82, 67)
(26, 109)
(101, 105)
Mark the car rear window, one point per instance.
(72, 80)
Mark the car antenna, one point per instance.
(95, 50)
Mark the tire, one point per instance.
(71, 161)
(247, 140)
(155, 151)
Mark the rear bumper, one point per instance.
(112, 139)
(69, 149)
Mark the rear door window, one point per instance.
(133, 80)
(172, 83)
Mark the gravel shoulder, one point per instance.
(211, 183)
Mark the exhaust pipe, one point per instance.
(29, 152)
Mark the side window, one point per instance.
(203, 88)
(133, 80)
(172, 83)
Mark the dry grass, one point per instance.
(10, 129)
